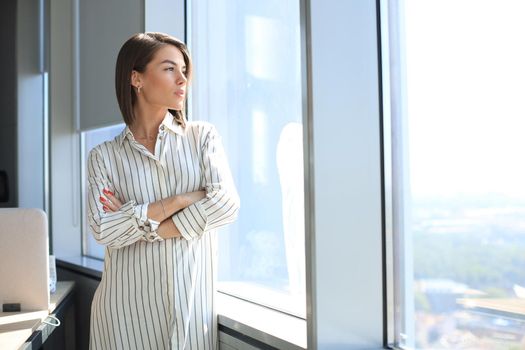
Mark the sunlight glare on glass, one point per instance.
(466, 110)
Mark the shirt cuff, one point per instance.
(141, 213)
(152, 236)
(148, 226)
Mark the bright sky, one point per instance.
(466, 96)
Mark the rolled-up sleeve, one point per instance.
(122, 227)
(221, 204)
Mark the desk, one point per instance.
(25, 330)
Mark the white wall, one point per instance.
(30, 106)
(64, 148)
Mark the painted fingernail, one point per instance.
(102, 199)
(105, 190)
(111, 193)
(105, 208)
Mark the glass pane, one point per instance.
(248, 83)
(91, 139)
(461, 263)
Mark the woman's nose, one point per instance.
(181, 79)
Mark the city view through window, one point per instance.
(464, 177)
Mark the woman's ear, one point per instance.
(136, 79)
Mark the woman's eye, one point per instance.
(170, 69)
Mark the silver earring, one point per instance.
(138, 89)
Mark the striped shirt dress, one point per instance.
(156, 293)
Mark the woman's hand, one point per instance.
(110, 202)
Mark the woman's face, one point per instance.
(164, 81)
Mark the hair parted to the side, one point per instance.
(135, 54)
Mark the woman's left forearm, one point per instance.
(167, 229)
(165, 208)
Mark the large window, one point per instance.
(459, 194)
(248, 83)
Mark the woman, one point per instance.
(155, 195)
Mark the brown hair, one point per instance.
(135, 54)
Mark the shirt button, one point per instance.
(162, 127)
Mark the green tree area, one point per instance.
(492, 264)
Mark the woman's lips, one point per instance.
(180, 93)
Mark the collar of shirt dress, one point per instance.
(169, 123)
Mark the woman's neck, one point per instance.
(147, 121)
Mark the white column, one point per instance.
(166, 16)
(343, 184)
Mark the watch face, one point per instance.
(4, 189)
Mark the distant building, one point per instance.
(442, 294)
